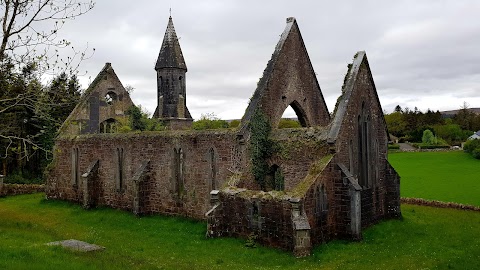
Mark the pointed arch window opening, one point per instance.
(296, 113)
(213, 168)
(178, 170)
(364, 149)
(275, 179)
(120, 177)
(321, 202)
(75, 166)
(108, 126)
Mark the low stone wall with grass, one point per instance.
(439, 204)
(19, 189)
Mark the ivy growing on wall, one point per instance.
(262, 146)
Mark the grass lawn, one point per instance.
(452, 176)
(427, 238)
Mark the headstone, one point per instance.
(76, 245)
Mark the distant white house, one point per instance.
(475, 135)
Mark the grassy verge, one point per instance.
(426, 238)
(452, 176)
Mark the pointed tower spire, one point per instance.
(171, 82)
(170, 55)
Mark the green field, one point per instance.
(427, 238)
(452, 176)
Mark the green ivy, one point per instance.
(262, 147)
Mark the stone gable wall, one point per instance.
(374, 199)
(93, 109)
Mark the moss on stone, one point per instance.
(316, 169)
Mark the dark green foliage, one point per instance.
(452, 133)
(23, 178)
(30, 115)
(430, 146)
(279, 180)
(393, 146)
(409, 125)
(262, 147)
(472, 147)
(209, 121)
(476, 153)
(138, 120)
(289, 123)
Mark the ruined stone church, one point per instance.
(292, 188)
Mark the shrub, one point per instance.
(471, 145)
(209, 121)
(22, 178)
(476, 153)
(428, 137)
(393, 146)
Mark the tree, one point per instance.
(25, 40)
(398, 109)
(396, 124)
(428, 137)
(30, 47)
(464, 117)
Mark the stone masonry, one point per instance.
(328, 180)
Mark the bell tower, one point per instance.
(171, 82)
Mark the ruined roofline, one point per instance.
(269, 69)
(85, 95)
(263, 82)
(107, 72)
(347, 89)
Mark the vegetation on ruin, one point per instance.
(289, 123)
(262, 147)
(314, 172)
(452, 176)
(157, 242)
(209, 121)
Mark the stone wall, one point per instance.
(180, 178)
(360, 103)
(328, 223)
(289, 80)
(19, 189)
(104, 101)
(242, 213)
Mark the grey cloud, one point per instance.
(416, 49)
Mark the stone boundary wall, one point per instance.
(19, 189)
(426, 150)
(439, 204)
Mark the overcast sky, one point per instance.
(421, 53)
